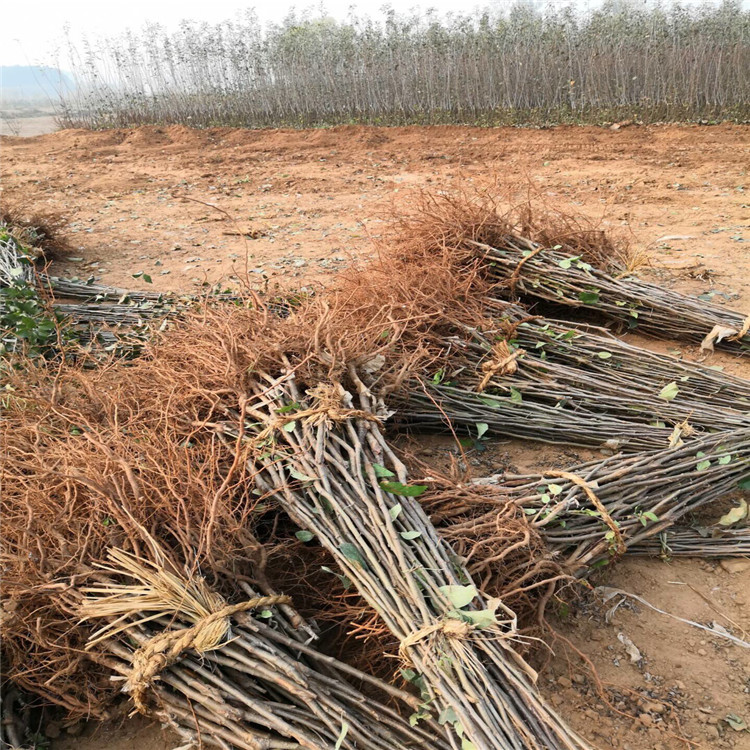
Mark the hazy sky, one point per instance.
(34, 29)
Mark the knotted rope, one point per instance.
(450, 627)
(328, 409)
(165, 649)
(503, 363)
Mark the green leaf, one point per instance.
(408, 674)
(604, 355)
(345, 580)
(350, 552)
(702, 465)
(467, 744)
(288, 408)
(554, 489)
(483, 618)
(342, 735)
(589, 298)
(650, 515)
(381, 472)
(265, 614)
(669, 391)
(736, 722)
(146, 278)
(515, 396)
(289, 426)
(482, 428)
(395, 511)
(493, 403)
(299, 475)
(405, 490)
(409, 535)
(724, 460)
(304, 536)
(744, 484)
(447, 716)
(459, 596)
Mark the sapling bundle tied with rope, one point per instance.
(238, 675)
(334, 473)
(146, 498)
(537, 379)
(87, 472)
(564, 265)
(598, 510)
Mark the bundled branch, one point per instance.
(535, 256)
(129, 484)
(700, 542)
(230, 679)
(88, 474)
(538, 379)
(600, 509)
(325, 461)
(534, 272)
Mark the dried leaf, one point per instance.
(735, 515)
(630, 647)
(718, 333)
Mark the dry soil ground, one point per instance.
(308, 202)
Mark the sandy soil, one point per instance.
(310, 202)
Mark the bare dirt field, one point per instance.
(294, 207)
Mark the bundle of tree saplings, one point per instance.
(272, 391)
(110, 510)
(540, 380)
(323, 455)
(131, 483)
(597, 510)
(700, 542)
(566, 267)
(255, 681)
(600, 353)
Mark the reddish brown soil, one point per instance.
(317, 197)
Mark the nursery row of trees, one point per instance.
(520, 66)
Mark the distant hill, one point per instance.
(32, 83)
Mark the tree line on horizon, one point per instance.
(523, 66)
